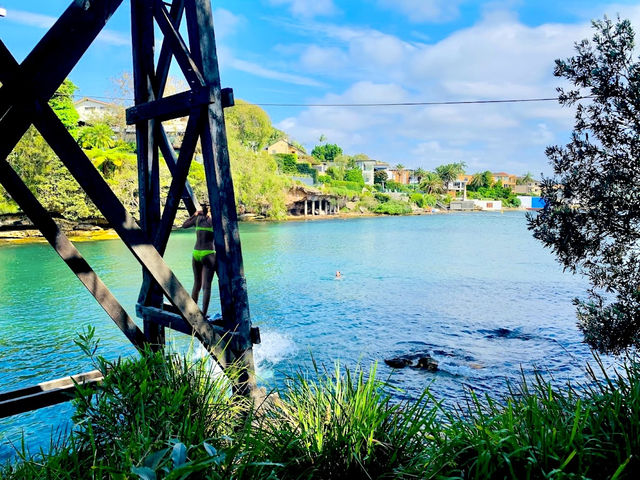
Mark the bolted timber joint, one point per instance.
(227, 97)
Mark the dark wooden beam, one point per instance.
(45, 394)
(224, 338)
(142, 35)
(68, 252)
(179, 179)
(171, 158)
(164, 59)
(178, 46)
(231, 281)
(168, 108)
(48, 64)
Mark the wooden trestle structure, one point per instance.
(26, 89)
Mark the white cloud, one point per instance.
(226, 23)
(307, 8)
(497, 58)
(425, 10)
(260, 71)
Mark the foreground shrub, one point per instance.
(345, 426)
(393, 207)
(542, 431)
(164, 417)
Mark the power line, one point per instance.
(382, 104)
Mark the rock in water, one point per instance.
(427, 363)
(398, 362)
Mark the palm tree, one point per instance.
(481, 180)
(450, 171)
(526, 179)
(431, 183)
(99, 135)
(419, 173)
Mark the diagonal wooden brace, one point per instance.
(69, 254)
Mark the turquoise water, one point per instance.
(473, 290)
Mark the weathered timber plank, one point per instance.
(178, 46)
(44, 394)
(49, 385)
(142, 35)
(164, 59)
(231, 281)
(173, 106)
(176, 322)
(171, 158)
(48, 64)
(67, 251)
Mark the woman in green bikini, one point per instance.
(204, 256)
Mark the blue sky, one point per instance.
(377, 51)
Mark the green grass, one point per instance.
(163, 416)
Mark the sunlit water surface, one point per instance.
(475, 291)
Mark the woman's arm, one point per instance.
(191, 221)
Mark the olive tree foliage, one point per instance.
(591, 220)
(249, 124)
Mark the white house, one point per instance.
(367, 167)
(92, 110)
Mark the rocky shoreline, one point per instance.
(15, 228)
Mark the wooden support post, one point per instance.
(148, 163)
(232, 284)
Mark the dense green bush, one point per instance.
(418, 199)
(393, 207)
(430, 199)
(166, 417)
(354, 175)
(353, 186)
(382, 197)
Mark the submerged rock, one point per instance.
(424, 362)
(427, 363)
(398, 362)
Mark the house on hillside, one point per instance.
(368, 168)
(400, 176)
(505, 179)
(457, 188)
(283, 146)
(92, 110)
(529, 188)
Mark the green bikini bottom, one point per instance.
(198, 255)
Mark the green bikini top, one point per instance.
(206, 229)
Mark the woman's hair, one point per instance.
(205, 208)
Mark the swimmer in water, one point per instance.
(338, 274)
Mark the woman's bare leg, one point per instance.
(209, 263)
(197, 279)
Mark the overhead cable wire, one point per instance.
(381, 104)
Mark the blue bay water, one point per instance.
(475, 291)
